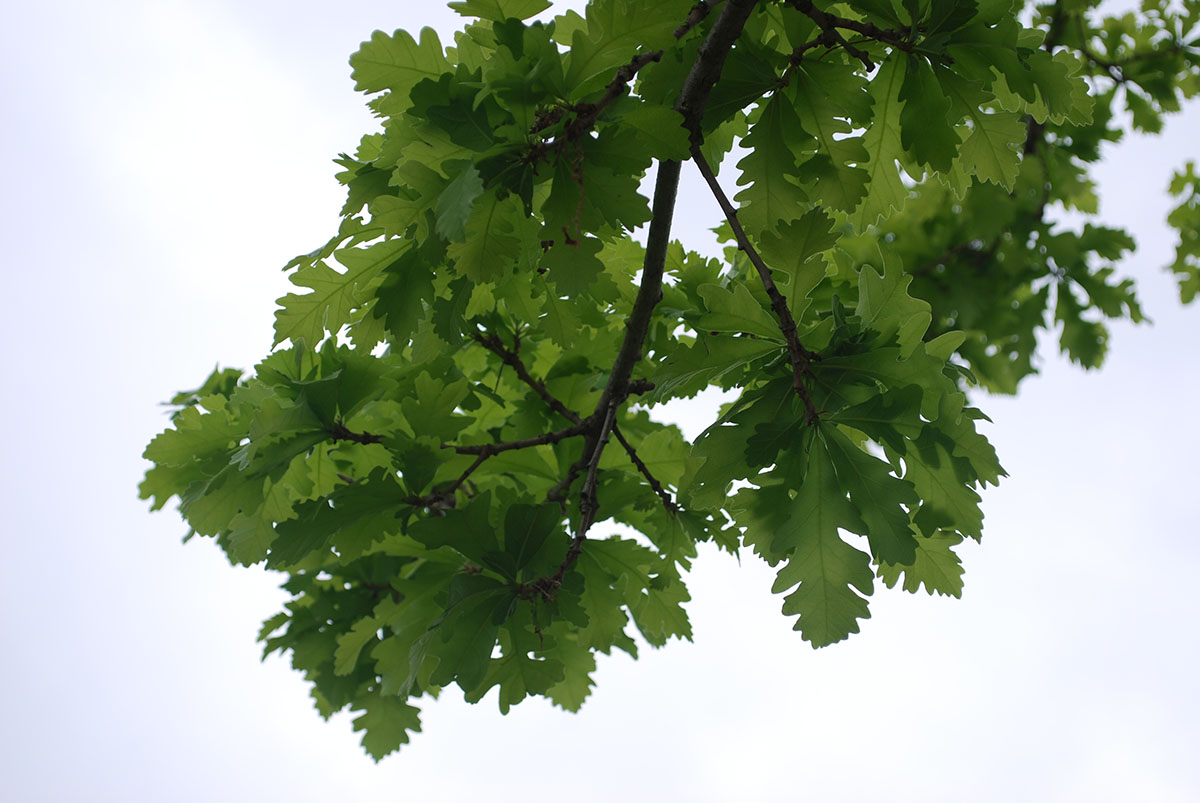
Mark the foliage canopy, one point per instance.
(455, 406)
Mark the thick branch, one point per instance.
(800, 357)
(710, 60)
(705, 71)
(696, 16)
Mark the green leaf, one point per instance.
(526, 530)
(935, 566)
(397, 62)
(660, 616)
(990, 151)
(500, 10)
(197, 434)
(573, 267)
(492, 241)
(615, 31)
(793, 249)
(578, 665)
(660, 130)
(926, 129)
(708, 362)
(885, 306)
(737, 312)
(832, 575)
(948, 502)
(352, 642)
(465, 529)
(454, 204)
(840, 182)
(771, 196)
(881, 498)
(334, 294)
(386, 722)
(464, 640)
(517, 674)
(891, 418)
(883, 142)
(603, 603)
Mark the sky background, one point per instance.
(161, 161)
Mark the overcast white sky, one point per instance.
(163, 159)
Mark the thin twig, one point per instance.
(489, 449)
(800, 357)
(1116, 68)
(589, 505)
(339, 432)
(559, 492)
(586, 114)
(511, 358)
(482, 452)
(798, 56)
(441, 499)
(829, 24)
(657, 487)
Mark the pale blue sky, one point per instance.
(163, 159)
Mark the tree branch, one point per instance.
(339, 432)
(586, 113)
(440, 500)
(695, 17)
(798, 56)
(829, 24)
(589, 505)
(489, 449)
(510, 357)
(657, 487)
(705, 70)
(1115, 69)
(444, 498)
(799, 356)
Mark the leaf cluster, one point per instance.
(448, 450)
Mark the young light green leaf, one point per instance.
(397, 62)
(936, 567)
(500, 10)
